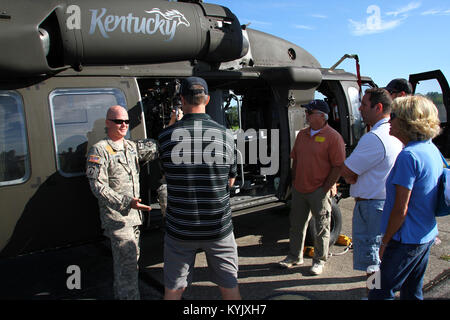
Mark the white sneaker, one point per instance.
(289, 262)
(317, 268)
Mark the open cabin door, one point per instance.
(434, 85)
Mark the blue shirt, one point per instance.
(418, 168)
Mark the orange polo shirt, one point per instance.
(315, 156)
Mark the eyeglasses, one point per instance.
(119, 121)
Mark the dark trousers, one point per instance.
(402, 269)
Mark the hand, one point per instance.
(333, 190)
(349, 176)
(135, 204)
(180, 114)
(174, 117)
(351, 180)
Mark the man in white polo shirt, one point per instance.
(366, 169)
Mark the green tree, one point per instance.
(436, 97)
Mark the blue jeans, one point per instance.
(402, 268)
(366, 234)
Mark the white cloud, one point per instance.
(300, 26)
(430, 12)
(374, 22)
(319, 16)
(436, 12)
(361, 29)
(411, 6)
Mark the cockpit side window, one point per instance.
(78, 119)
(14, 155)
(358, 125)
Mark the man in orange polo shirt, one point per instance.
(318, 154)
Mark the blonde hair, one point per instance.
(419, 117)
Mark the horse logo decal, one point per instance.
(172, 15)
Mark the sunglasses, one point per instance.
(119, 121)
(310, 112)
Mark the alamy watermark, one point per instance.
(192, 149)
(74, 280)
(374, 280)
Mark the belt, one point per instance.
(361, 199)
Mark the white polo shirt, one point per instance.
(372, 160)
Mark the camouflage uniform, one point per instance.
(113, 174)
(162, 198)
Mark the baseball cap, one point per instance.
(399, 85)
(317, 105)
(188, 83)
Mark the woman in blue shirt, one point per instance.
(408, 220)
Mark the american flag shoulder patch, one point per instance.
(94, 159)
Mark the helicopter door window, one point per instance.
(358, 127)
(432, 90)
(78, 117)
(14, 157)
(232, 109)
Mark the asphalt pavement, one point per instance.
(262, 239)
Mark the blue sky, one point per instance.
(392, 38)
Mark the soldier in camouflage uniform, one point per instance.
(162, 198)
(113, 174)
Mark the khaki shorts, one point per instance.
(179, 260)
